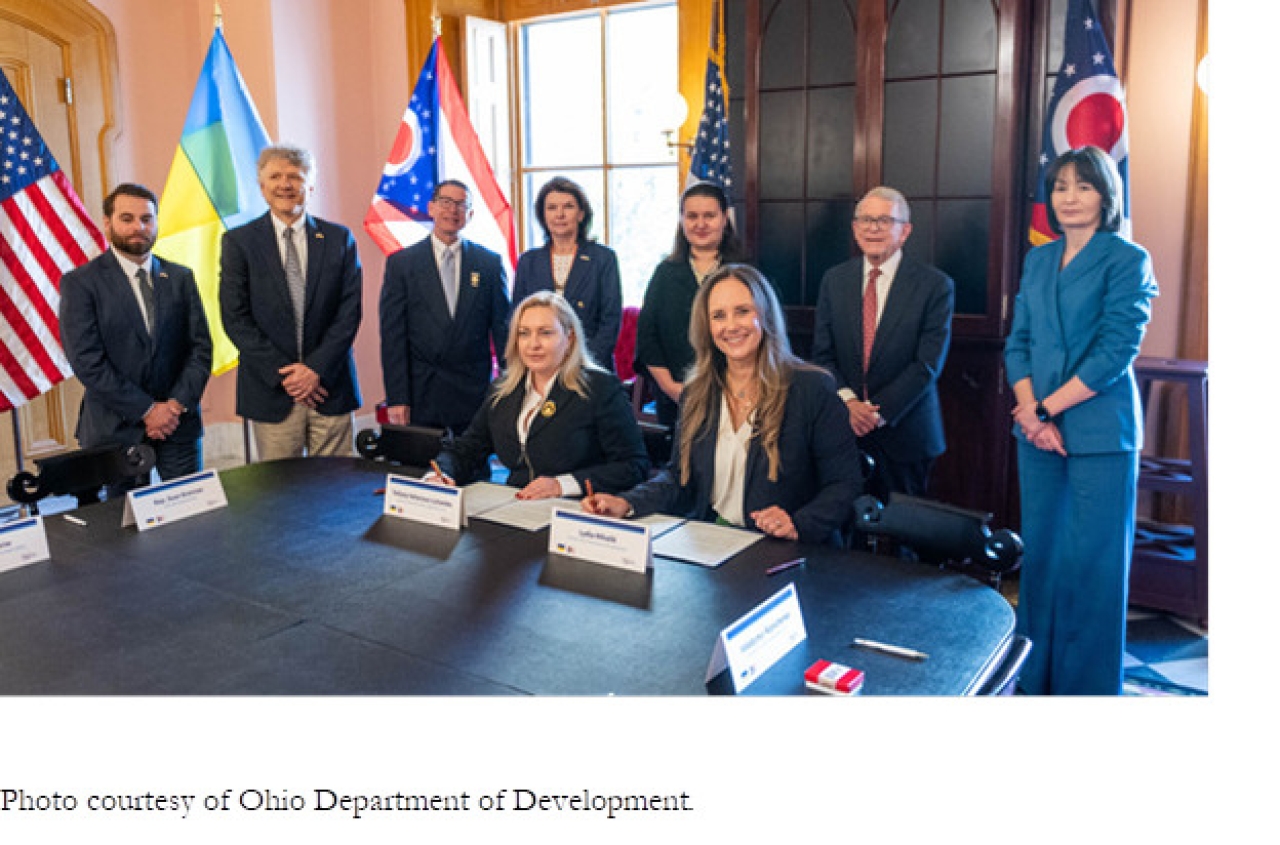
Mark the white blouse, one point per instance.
(729, 484)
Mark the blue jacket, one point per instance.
(1085, 320)
(258, 316)
(438, 365)
(593, 289)
(123, 369)
(907, 355)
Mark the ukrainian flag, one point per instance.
(213, 183)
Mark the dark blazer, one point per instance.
(594, 438)
(441, 366)
(123, 369)
(662, 331)
(1085, 320)
(593, 289)
(906, 359)
(258, 316)
(818, 479)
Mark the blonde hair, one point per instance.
(576, 358)
(705, 384)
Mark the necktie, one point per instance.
(869, 308)
(297, 284)
(148, 299)
(449, 280)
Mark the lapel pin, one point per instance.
(549, 408)
(319, 235)
(475, 279)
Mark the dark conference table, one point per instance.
(302, 586)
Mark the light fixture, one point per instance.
(675, 113)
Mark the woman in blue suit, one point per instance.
(584, 272)
(1083, 306)
(763, 442)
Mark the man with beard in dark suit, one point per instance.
(134, 331)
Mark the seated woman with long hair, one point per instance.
(555, 419)
(763, 440)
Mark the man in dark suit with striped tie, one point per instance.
(883, 327)
(444, 313)
(290, 296)
(134, 330)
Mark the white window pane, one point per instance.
(592, 181)
(643, 215)
(562, 103)
(642, 73)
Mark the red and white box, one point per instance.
(833, 678)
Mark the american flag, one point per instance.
(710, 160)
(1087, 109)
(44, 232)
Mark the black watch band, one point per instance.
(1042, 413)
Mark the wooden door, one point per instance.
(58, 56)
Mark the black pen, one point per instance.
(783, 567)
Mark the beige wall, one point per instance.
(1159, 75)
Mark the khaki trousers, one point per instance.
(304, 432)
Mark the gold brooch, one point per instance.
(548, 408)
(475, 279)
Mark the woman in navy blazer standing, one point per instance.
(763, 442)
(1079, 319)
(556, 420)
(584, 272)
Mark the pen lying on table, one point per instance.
(885, 648)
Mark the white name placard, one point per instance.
(422, 501)
(600, 539)
(151, 507)
(23, 541)
(759, 639)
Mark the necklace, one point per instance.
(714, 265)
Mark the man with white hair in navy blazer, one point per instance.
(883, 327)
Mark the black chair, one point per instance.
(1003, 680)
(657, 442)
(414, 446)
(941, 533)
(81, 473)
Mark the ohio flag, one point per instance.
(1087, 109)
(436, 141)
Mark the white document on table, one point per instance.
(660, 523)
(704, 543)
(485, 496)
(528, 514)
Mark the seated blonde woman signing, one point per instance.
(555, 419)
(763, 440)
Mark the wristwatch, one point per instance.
(1042, 413)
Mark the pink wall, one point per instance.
(1160, 81)
(330, 75)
